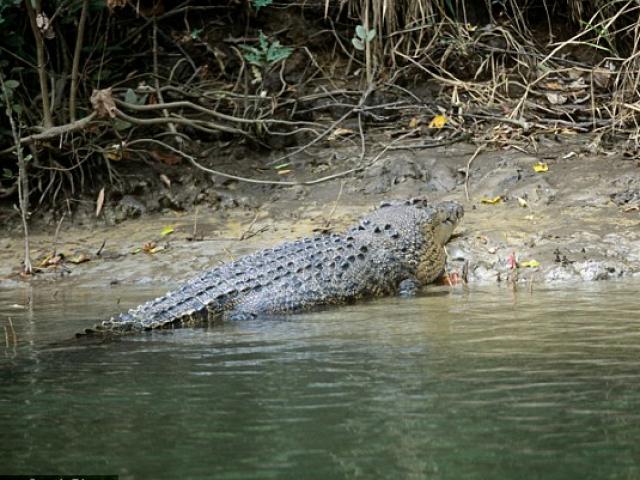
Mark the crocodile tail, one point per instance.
(161, 313)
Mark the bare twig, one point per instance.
(55, 237)
(156, 78)
(466, 172)
(40, 55)
(52, 132)
(76, 60)
(23, 181)
(335, 206)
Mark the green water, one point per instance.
(482, 384)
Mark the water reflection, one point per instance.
(479, 384)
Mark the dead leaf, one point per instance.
(51, 260)
(522, 202)
(100, 202)
(413, 123)
(113, 152)
(102, 102)
(80, 258)
(165, 180)
(556, 98)
(147, 247)
(116, 3)
(340, 132)
(284, 172)
(554, 85)
(165, 157)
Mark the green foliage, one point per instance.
(266, 53)
(362, 37)
(258, 4)
(4, 6)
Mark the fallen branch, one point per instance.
(52, 132)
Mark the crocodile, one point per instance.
(395, 249)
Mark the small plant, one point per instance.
(258, 4)
(362, 37)
(266, 53)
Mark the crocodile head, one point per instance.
(444, 220)
(418, 217)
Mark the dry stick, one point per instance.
(208, 111)
(23, 182)
(363, 98)
(156, 78)
(335, 205)
(466, 172)
(248, 233)
(195, 223)
(42, 74)
(52, 132)
(273, 182)
(55, 237)
(76, 60)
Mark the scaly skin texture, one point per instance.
(399, 246)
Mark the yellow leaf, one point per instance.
(492, 201)
(438, 121)
(156, 249)
(413, 123)
(541, 167)
(166, 231)
(529, 264)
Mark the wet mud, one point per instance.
(577, 220)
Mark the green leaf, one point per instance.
(262, 40)
(166, 231)
(371, 34)
(6, 173)
(121, 124)
(361, 33)
(11, 84)
(258, 4)
(131, 97)
(357, 43)
(276, 52)
(195, 33)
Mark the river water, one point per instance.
(478, 384)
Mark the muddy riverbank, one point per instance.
(562, 213)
